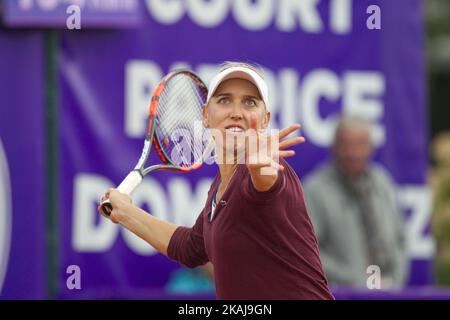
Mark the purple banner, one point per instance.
(65, 13)
(22, 167)
(320, 61)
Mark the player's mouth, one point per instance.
(234, 129)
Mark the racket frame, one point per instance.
(135, 177)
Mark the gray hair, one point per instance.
(354, 122)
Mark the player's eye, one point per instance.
(224, 100)
(250, 102)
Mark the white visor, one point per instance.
(240, 73)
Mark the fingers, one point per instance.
(106, 196)
(268, 163)
(285, 154)
(291, 142)
(100, 209)
(276, 165)
(287, 131)
(267, 150)
(103, 199)
(113, 217)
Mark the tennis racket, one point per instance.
(175, 118)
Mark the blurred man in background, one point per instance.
(354, 211)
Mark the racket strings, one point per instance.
(168, 98)
(178, 113)
(178, 118)
(181, 102)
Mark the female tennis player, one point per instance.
(254, 227)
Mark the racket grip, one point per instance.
(130, 183)
(127, 186)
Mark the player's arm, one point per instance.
(262, 182)
(152, 230)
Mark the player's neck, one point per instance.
(226, 172)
